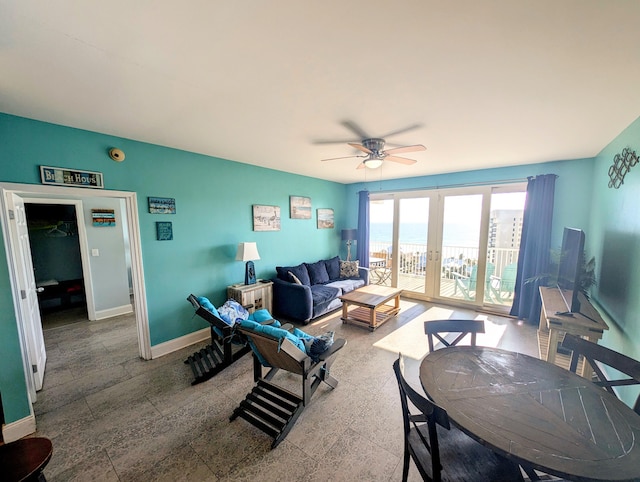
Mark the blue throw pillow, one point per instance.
(261, 315)
(232, 311)
(317, 273)
(333, 268)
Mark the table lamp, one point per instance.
(349, 235)
(248, 252)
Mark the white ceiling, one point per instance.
(490, 83)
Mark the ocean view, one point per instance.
(416, 233)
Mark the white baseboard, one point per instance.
(118, 310)
(20, 428)
(179, 343)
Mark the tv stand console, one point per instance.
(553, 325)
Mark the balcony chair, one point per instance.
(600, 357)
(440, 452)
(226, 345)
(468, 284)
(270, 407)
(462, 327)
(380, 271)
(504, 284)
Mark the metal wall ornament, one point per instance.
(622, 164)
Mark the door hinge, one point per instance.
(23, 294)
(12, 215)
(34, 368)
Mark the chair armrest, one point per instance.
(292, 300)
(337, 345)
(363, 273)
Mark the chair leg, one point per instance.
(405, 466)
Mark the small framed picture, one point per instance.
(266, 218)
(164, 231)
(103, 217)
(299, 207)
(162, 205)
(325, 218)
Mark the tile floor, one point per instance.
(114, 417)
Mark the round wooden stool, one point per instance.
(24, 459)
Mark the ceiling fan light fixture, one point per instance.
(372, 163)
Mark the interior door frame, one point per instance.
(31, 191)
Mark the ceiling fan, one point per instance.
(373, 147)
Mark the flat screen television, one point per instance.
(570, 267)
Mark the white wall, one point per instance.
(108, 269)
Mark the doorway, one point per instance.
(23, 288)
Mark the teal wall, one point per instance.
(615, 239)
(214, 199)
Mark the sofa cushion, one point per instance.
(347, 285)
(317, 272)
(322, 294)
(299, 271)
(349, 269)
(333, 268)
(294, 278)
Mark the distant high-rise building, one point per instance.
(505, 230)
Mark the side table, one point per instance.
(257, 296)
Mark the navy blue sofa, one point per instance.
(309, 290)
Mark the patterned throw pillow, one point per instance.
(232, 311)
(349, 269)
(294, 278)
(316, 346)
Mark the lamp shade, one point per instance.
(247, 252)
(372, 163)
(349, 234)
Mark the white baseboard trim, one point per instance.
(118, 310)
(179, 343)
(20, 428)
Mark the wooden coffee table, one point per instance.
(371, 309)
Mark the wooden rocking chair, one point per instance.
(269, 407)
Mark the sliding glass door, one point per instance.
(457, 245)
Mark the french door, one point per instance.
(449, 244)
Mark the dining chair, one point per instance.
(599, 356)
(440, 452)
(462, 327)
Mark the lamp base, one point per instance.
(250, 274)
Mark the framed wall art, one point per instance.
(103, 217)
(299, 207)
(162, 205)
(266, 218)
(325, 218)
(164, 231)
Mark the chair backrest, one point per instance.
(212, 319)
(462, 327)
(598, 355)
(430, 413)
(278, 353)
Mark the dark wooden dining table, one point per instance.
(538, 414)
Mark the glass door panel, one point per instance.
(505, 229)
(461, 272)
(412, 246)
(381, 215)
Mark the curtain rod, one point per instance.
(450, 186)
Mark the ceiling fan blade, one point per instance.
(336, 158)
(356, 129)
(401, 160)
(361, 166)
(402, 131)
(400, 150)
(360, 147)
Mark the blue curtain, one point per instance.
(535, 245)
(363, 228)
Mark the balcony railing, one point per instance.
(456, 261)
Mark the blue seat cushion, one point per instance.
(322, 294)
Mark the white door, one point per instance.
(30, 311)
